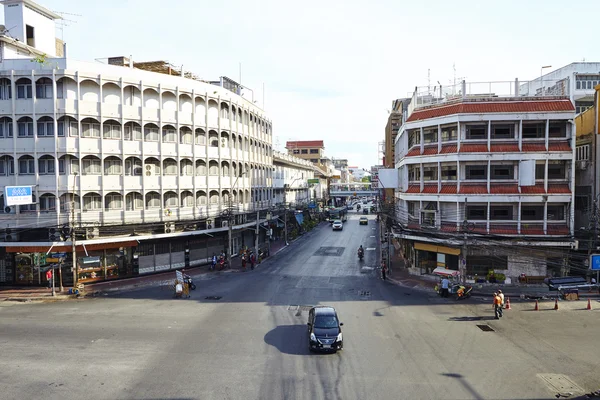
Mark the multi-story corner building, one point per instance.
(395, 120)
(578, 79)
(312, 150)
(115, 151)
(487, 180)
(291, 179)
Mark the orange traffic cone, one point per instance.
(589, 306)
(537, 306)
(556, 304)
(507, 307)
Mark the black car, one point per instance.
(324, 329)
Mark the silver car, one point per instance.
(338, 225)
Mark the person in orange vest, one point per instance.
(497, 306)
(49, 277)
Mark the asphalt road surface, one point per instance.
(252, 342)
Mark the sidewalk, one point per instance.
(40, 294)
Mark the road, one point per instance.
(252, 342)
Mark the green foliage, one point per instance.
(366, 179)
(42, 59)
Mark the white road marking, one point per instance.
(371, 248)
(372, 236)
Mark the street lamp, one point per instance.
(542, 77)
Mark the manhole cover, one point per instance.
(485, 328)
(364, 293)
(213, 297)
(330, 251)
(560, 383)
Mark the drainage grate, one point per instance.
(485, 328)
(364, 293)
(213, 297)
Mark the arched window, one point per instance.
(169, 167)
(25, 127)
(92, 201)
(113, 201)
(46, 165)
(133, 131)
(200, 168)
(112, 129)
(169, 134)
(7, 166)
(187, 199)
(201, 198)
(91, 165)
(186, 167)
(225, 169)
(171, 199)
(24, 89)
(200, 137)
(133, 166)
(134, 201)
(213, 137)
(214, 197)
(113, 166)
(90, 128)
(47, 202)
(26, 165)
(6, 127)
(152, 200)
(5, 89)
(150, 132)
(43, 88)
(45, 127)
(185, 135)
(213, 168)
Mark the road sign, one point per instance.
(17, 195)
(313, 181)
(595, 262)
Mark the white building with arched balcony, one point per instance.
(113, 146)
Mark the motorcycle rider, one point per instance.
(361, 251)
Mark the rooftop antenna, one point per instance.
(428, 80)
(65, 22)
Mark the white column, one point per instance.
(56, 139)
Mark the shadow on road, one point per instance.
(289, 339)
(464, 383)
(485, 318)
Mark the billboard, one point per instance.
(17, 195)
(595, 262)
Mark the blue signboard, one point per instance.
(17, 195)
(595, 262)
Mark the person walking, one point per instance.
(383, 271)
(497, 306)
(252, 260)
(445, 286)
(49, 277)
(214, 261)
(501, 295)
(244, 261)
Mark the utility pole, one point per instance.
(465, 247)
(257, 232)
(285, 223)
(73, 245)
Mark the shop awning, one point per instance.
(445, 272)
(69, 248)
(436, 249)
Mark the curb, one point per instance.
(39, 298)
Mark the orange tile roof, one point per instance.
(532, 229)
(559, 146)
(501, 229)
(537, 189)
(556, 188)
(429, 150)
(493, 107)
(415, 151)
(304, 143)
(449, 228)
(473, 188)
(473, 148)
(557, 229)
(504, 188)
(504, 147)
(449, 189)
(449, 148)
(534, 147)
(413, 189)
(480, 228)
(428, 188)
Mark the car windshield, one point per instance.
(325, 321)
(337, 222)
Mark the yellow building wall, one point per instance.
(584, 122)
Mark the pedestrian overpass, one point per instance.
(359, 189)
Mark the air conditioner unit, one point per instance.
(54, 235)
(170, 227)
(582, 164)
(9, 235)
(224, 224)
(92, 233)
(149, 170)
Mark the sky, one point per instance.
(331, 69)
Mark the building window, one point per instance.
(74, 129)
(314, 151)
(501, 172)
(46, 166)
(477, 132)
(557, 130)
(169, 136)
(414, 138)
(29, 207)
(91, 166)
(43, 88)
(556, 213)
(47, 203)
(5, 89)
(449, 133)
(45, 128)
(430, 174)
(6, 128)
(170, 167)
(532, 213)
(152, 200)
(502, 213)
(314, 160)
(151, 134)
(7, 165)
(26, 166)
(24, 91)
(449, 173)
(296, 151)
(534, 131)
(113, 201)
(476, 172)
(504, 131)
(430, 136)
(132, 132)
(90, 129)
(556, 171)
(477, 213)
(92, 201)
(112, 167)
(304, 151)
(414, 173)
(582, 153)
(25, 127)
(133, 167)
(112, 131)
